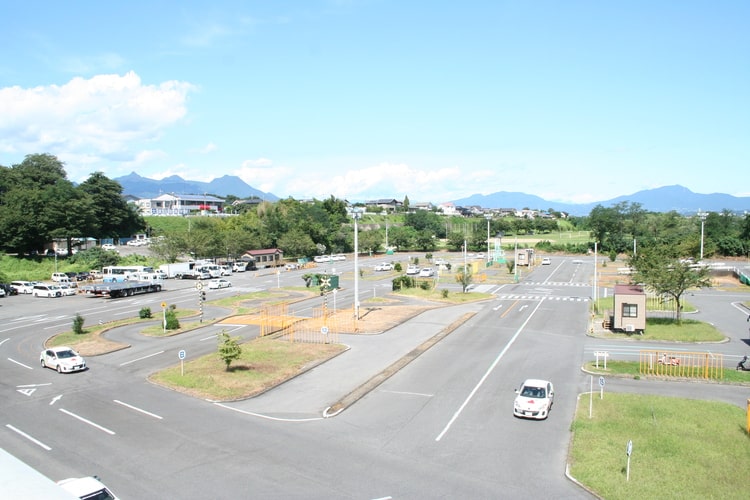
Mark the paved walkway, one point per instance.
(335, 384)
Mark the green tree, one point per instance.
(113, 216)
(229, 348)
(658, 269)
(464, 277)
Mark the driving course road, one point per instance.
(442, 426)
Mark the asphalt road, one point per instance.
(442, 426)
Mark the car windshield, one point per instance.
(66, 354)
(533, 392)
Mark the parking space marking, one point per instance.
(142, 358)
(138, 409)
(19, 363)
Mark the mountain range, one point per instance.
(664, 199)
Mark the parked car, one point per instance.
(322, 258)
(109, 246)
(239, 267)
(62, 359)
(338, 256)
(412, 270)
(57, 277)
(83, 276)
(23, 287)
(534, 399)
(226, 270)
(290, 266)
(427, 272)
(8, 289)
(67, 289)
(46, 290)
(546, 261)
(219, 283)
(2, 292)
(194, 275)
(384, 266)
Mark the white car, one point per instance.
(534, 399)
(67, 289)
(546, 261)
(46, 290)
(339, 256)
(62, 359)
(87, 487)
(109, 246)
(427, 272)
(23, 287)
(412, 270)
(384, 266)
(322, 258)
(219, 283)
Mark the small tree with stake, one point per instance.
(229, 348)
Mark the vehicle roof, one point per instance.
(61, 348)
(535, 382)
(81, 486)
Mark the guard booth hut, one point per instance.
(629, 309)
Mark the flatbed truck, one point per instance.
(124, 289)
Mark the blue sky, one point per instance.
(573, 101)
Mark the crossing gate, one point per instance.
(703, 365)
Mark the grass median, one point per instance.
(681, 448)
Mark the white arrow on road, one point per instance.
(55, 399)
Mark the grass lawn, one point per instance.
(666, 329)
(264, 363)
(681, 448)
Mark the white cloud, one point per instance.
(97, 118)
(208, 148)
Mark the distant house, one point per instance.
(387, 204)
(268, 257)
(180, 204)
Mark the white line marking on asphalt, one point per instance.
(35, 441)
(487, 374)
(55, 399)
(86, 421)
(267, 417)
(34, 385)
(141, 359)
(4, 341)
(410, 393)
(19, 364)
(212, 337)
(138, 409)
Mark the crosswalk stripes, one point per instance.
(509, 296)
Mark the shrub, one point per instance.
(144, 313)
(78, 324)
(172, 322)
(444, 293)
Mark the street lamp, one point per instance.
(356, 214)
(702, 216)
(489, 218)
(385, 214)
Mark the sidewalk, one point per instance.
(331, 387)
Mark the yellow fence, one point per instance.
(681, 364)
(324, 326)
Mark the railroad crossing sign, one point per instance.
(325, 282)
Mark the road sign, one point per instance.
(324, 330)
(181, 354)
(629, 449)
(601, 381)
(199, 286)
(163, 305)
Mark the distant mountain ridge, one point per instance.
(664, 199)
(143, 187)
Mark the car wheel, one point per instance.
(59, 370)
(44, 365)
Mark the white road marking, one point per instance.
(35, 441)
(141, 359)
(487, 374)
(138, 409)
(55, 399)
(86, 421)
(267, 417)
(19, 364)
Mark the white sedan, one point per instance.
(427, 272)
(219, 283)
(62, 359)
(534, 399)
(384, 266)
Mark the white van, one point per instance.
(46, 290)
(57, 277)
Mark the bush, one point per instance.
(172, 322)
(145, 313)
(78, 324)
(444, 293)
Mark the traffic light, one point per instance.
(203, 295)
